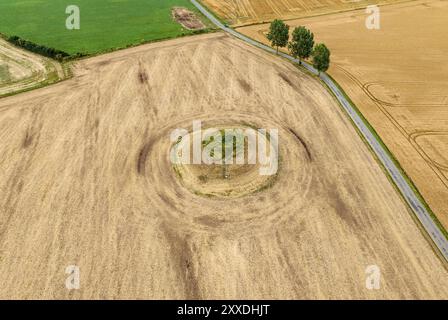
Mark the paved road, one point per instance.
(414, 202)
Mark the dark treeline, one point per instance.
(39, 49)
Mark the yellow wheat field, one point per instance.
(244, 12)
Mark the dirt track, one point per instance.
(86, 180)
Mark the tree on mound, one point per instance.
(321, 57)
(302, 43)
(278, 34)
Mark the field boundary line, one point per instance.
(402, 182)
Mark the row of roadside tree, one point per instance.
(300, 44)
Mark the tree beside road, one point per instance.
(278, 34)
(321, 57)
(301, 44)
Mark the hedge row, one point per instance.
(36, 48)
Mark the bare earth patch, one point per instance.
(187, 18)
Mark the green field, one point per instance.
(105, 24)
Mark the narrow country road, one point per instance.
(395, 173)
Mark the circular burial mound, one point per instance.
(210, 196)
(227, 161)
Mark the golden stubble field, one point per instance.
(245, 12)
(398, 78)
(85, 179)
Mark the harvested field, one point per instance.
(86, 180)
(187, 18)
(21, 70)
(399, 84)
(244, 12)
